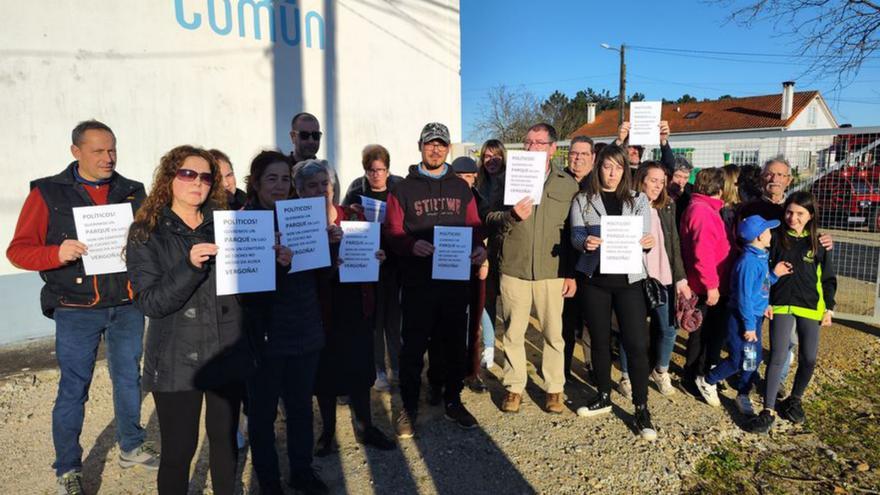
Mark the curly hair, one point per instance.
(160, 195)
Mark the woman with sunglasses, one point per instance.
(170, 260)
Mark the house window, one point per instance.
(692, 115)
(744, 157)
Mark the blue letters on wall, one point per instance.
(250, 16)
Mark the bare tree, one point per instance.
(507, 114)
(835, 36)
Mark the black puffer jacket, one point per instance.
(191, 329)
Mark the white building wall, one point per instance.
(160, 75)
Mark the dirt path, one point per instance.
(530, 452)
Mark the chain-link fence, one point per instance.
(841, 167)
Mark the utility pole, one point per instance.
(621, 104)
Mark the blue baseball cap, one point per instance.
(750, 228)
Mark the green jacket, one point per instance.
(538, 248)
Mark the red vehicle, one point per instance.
(849, 197)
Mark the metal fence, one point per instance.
(841, 167)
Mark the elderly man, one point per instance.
(536, 270)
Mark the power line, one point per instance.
(746, 54)
(539, 83)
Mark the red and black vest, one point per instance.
(69, 286)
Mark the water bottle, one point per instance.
(750, 356)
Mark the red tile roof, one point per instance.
(729, 114)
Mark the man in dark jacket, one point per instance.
(85, 307)
(432, 310)
(305, 135)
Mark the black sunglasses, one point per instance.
(187, 175)
(313, 135)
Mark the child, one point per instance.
(800, 303)
(750, 284)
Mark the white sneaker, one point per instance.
(663, 382)
(488, 358)
(625, 388)
(145, 456)
(382, 384)
(744, 404)
(709, 392)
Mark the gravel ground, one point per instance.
(529, 452)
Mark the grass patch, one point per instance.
(838, 451)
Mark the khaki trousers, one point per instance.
(517, 297)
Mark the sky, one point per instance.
(555, 45)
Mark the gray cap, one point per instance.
(434, 130)
(464, 165)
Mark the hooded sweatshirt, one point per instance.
(750, 286)
(705, 245)
(415, 206)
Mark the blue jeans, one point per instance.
(77, 335)
(733, 363)
(663, 332)
(488, 330)
(292, 379)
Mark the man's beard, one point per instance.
(432, 167)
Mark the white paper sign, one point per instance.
(374, 209)
(245, 258)
(360, 241)
(620, 251)
(303, 227)
(452, 253)
(104, 231)
(644, 118)
(524, 176)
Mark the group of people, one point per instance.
(705, 269)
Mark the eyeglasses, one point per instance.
(187, 175)
(774, 175)
(377, 171)
(529, 144)
(578, 154)
(309, 135)
(436, 145)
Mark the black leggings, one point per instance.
(359, 401)
(704, 344)
(628, 304)
(179, 414)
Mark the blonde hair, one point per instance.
(730, 191)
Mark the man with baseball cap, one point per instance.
(433, 311)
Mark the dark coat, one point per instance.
(672, 241)
(192, 331)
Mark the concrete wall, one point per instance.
(217, 73)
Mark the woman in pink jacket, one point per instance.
(707, 254)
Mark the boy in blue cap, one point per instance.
(749, 304)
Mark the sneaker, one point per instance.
(405, 425)
(643, 423)
(744, 404)
(435, 395)
(553, 403)
(146, 455)
(511, 403)
(374, 437)
(625, 388)
(382, 384)
(70, 483)
(307, 482)
(709, 392)
(663, 381)
(455, 411)
(600, 405)
(476, 384)
(488, 358)
(761, 423)
(792, 410)
(326, 445)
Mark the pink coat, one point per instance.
(705, 245)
